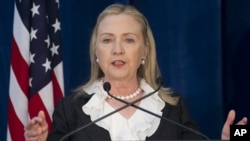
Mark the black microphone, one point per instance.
(107, 87)
(159, 80)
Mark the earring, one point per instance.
(97, 60)
(142, 61)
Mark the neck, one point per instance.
(121, 87)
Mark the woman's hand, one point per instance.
(225, 135)
(37, 128)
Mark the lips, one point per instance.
(118, 63)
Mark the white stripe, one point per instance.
(47, 97)
(59, 76)
(21, 35)
(8, 134)
(18, 99)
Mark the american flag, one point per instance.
(36, 72)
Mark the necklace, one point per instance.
(126, 97)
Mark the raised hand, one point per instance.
(225, 135)
(37, 128)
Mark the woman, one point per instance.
(122, 52)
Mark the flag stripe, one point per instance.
(46, 92)
(16, 135)
(20, 68)
(36, 104)
(58, 92)
(21, 36)
(18, 99)
(58, 72)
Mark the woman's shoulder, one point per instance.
(74, 98)
(173, 99)
(170, 97)
(179, 99)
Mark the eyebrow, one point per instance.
(105, 33)
(129, 33)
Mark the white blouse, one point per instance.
(139, 126)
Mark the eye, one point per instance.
(106, 41)
(130, 40)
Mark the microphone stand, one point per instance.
(109, 114)
(107, 87)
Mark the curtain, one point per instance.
(202, 50)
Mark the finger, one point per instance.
(32, 139)
(33, 123)
(230, 117)
(43, 122)
(243, 121)
(35, 120)
(41, 115)
(32, 133)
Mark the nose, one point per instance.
(118, 49)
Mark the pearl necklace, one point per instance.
(126, 97)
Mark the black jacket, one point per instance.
(69, 116)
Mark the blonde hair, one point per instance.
(149, 71)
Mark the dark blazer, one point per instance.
(69, 116)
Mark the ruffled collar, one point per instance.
(141, 124)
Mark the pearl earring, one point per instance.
(97, 60)
(142, 61)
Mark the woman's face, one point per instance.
(120, 46)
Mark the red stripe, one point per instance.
(35, 105)
(15, 123)
(20, 68)
(56, 89)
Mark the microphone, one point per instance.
(107, 87)
(159, 80)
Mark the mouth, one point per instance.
(118, 63)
